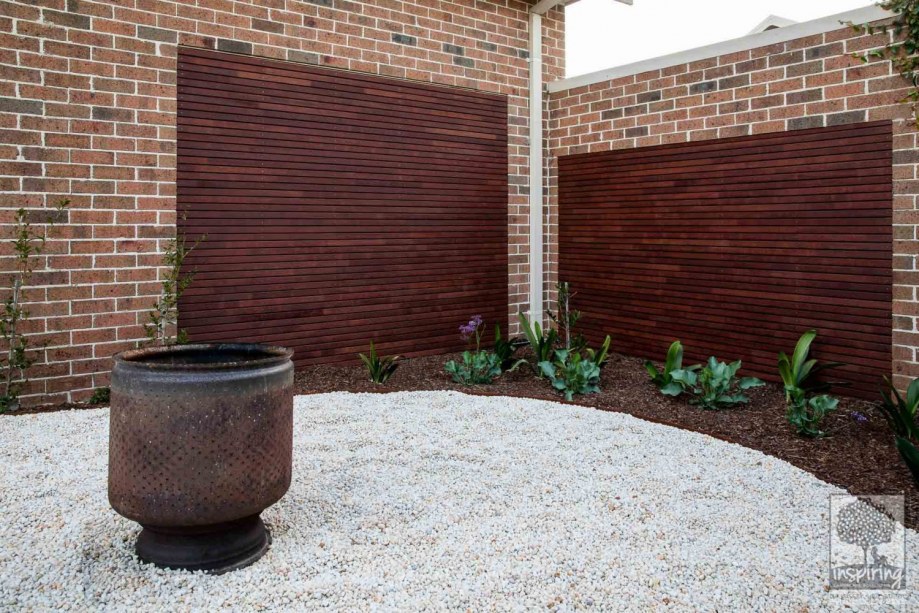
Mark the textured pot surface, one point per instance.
(200, 434)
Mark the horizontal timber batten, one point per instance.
(338, 208)
(737, 246)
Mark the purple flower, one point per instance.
(470, 328)
(859, 417)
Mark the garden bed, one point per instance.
(859, 456)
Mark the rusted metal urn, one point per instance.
(200, 443)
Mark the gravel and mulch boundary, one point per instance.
(857, 456)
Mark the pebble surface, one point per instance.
(440, 500)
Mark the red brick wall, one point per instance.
(803, 83)
(87, 111)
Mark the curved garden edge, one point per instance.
(858, 456)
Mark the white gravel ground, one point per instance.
(446, 501)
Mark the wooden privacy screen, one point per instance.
(736, 247)
(338, 207)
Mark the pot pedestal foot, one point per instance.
(218, 548)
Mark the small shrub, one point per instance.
(805, 410)
(477, 367)
(565, 319)
(716, 386)
(542, 343)
(506, 350)
(379, 368)
(101, 395)
(164, 315)
(571, 374)
(674, 362)
(806, 415)
(901, 416)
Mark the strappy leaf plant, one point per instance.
(799, 373)
(599, 356)
(805, 408)
(542, 343)
(380, 368)
(900, 413)
(506, 350)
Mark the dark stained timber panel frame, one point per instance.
(338, 207)
(737, 246)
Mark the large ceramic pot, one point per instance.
(200, 443)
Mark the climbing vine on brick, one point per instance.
(27, 245)
(902, 49)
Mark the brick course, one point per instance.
(87, 112)
(805, 83)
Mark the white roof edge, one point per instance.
(544, 6)
(771, 22)
(744, 43)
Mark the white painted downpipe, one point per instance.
(537, 156)
(536, 166)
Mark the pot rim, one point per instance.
(139, 358)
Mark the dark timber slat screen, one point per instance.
(338, 207)
(737, 246)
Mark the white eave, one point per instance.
(544, 6)
(771, 23)
(745, 43)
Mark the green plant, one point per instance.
(164, 315)
(379, 368)
(28, 243)
(716, 386)
(600, 356)
(101, 395)
(542, 343)
(805, 411)
(571, 374)
(901, 416)
(506, 350)
(478, 366)
(565, 319)
(797, 371)
(902, 50)
(806, 416)
(663, 379)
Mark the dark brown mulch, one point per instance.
(53, 408)
(857, 456)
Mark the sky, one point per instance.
(603, 33)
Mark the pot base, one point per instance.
(218, 548)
